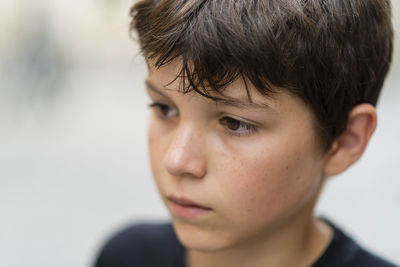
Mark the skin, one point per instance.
(259, 169)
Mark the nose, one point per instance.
(185, 155)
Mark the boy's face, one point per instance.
(251, 171)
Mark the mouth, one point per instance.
(186, 208)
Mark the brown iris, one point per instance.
(231, 123)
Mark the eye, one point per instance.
(163, 111)
(237, 127)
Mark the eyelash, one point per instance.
(248, 128)
(160, 108)
(225, 121)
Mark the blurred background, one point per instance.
(73, 158)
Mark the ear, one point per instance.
(351, 144)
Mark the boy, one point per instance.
(255, 104)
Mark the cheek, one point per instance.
(157, 147)
(268, 185)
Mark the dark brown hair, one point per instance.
(333, 54)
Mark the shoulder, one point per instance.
(141, 245)
(344, 251)
(364, 258)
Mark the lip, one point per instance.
(186, 208)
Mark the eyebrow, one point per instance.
(153, 88)
(230, 102)
(243, 104)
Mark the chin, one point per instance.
(203, 239)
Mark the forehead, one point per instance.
(239, 93)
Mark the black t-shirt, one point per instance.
(156, 245)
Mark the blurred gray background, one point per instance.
(73, 159)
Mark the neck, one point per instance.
(299, 242)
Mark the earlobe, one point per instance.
(351, 144)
